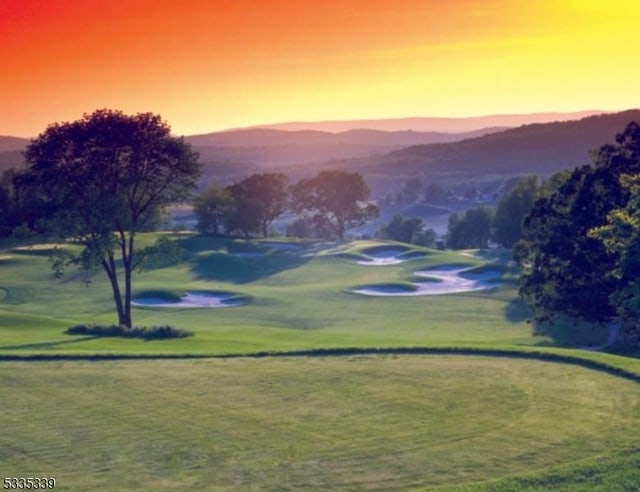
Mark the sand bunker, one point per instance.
(192, 300)
(391, 255)
(443, 280)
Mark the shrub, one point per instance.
(147, 333)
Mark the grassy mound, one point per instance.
(385, 249)
(389, 287)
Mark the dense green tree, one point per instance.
(403, 230)
(567, 270)
(621, 237)
(102, 179)
(213, 207)
(6, 209)
(512, 208)
(302, 227)
(469, 230)
(336, 200)
(258, 201)
(426, 237)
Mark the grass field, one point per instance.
(370, 423)
(297, 301)
(359, 422)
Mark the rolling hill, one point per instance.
(8, 144)
(258, 148)
(433, 124)
(541, 148)
(267, 147)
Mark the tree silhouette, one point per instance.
(336, 199)
(103, 179)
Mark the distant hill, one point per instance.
(11, 159)
(265, 137)
(382, 156)
(8, 144)
(433, 124)
(538, 148)
(266, 147)
(11, 151)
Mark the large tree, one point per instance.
(403, 230)
(259, 200)
(213, 207)
(566, 269)
(512, 208)
(5, 208)
(471, 229)
(103, 179)
(336, 200)
(621, 237)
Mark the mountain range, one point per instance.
(434, 124)
(268, 147)
(384, 156)
(541, 148)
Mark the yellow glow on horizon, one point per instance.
(208, 65)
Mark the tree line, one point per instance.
(327, 204)
(576, 237)
(504, 224)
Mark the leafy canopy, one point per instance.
(567, 268)
(102, 179)
(336, 200)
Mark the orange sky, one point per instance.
(206, 65)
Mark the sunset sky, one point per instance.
(207, 65)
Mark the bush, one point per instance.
(147, 333)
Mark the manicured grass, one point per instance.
(300, 299)
(617, 472)
(369, 423)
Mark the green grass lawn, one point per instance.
(305, 423)
(298, 300)
(359, 423)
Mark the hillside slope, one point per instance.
(538, 148)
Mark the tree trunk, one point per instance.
(109, 268)
(127, 321)
(127, 263)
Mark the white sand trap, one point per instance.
(192, 300)
(40, 247)
(445, 280)
(387, 256)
